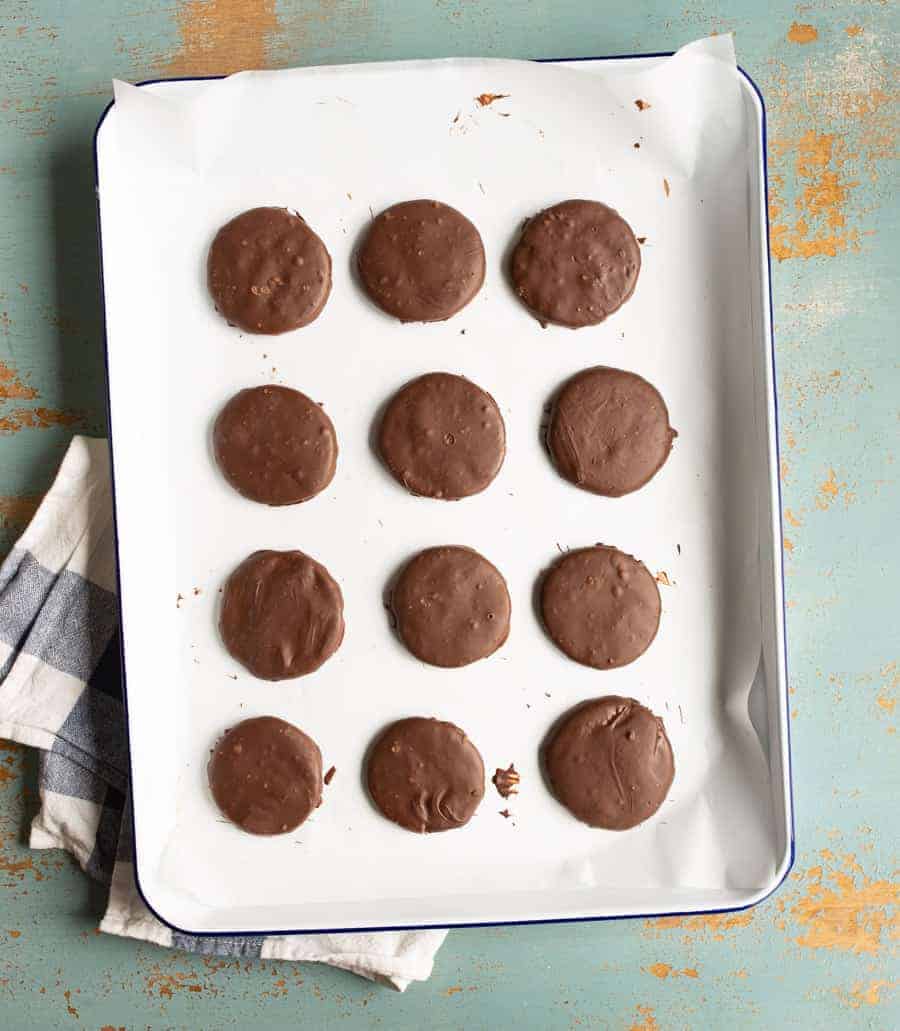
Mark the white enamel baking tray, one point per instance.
(177, 159)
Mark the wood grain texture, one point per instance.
(822, 951)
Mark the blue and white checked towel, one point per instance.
(61, 692)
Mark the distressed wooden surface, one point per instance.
(822, 952)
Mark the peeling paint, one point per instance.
(646, 1020)
(834, 124)
(819, 227)
(12, 387)
(830, 490)
(12, 420)
(838, 907)
(862, 994)
(219, 37)
(704, 925)
(664, 970)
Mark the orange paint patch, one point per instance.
(791, 518)
(788, 545)
(14, 934)
(799, 33)
(830, 490)
(454, 990)
(664, 970)
(853, 30)
(884, 700)
(219, 37)
(12, 387)
(646, 1020)
(838, 907)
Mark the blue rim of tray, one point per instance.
(471, 923)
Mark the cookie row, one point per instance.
(442, 436)
(423, 261)
(282, 613)
(608, 761)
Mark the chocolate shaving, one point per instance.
(329, 775)
(486, 99)
(506, 781)
(641, 105)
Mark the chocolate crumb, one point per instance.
(486, 99)
(678, 548)
(197, 591)
(505, 813)
(330, 775)
(178, 600)
(642, 239)
(637, 146)
(641, 105)
(506, 781)
(231, 676)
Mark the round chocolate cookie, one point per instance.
(425, 775)
(451, 606)
(421, 261)
(268, 272)
(266, 775)
(575, 263)
(610, 763)
(275, 445)
(609, 431)
(282, 614)
(443, 437)
(600, 606)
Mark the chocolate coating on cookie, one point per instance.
(282, 614)
(451, 606)
(425, 775)
(275, 445)
(421, 261)
(268, 272)
(442, 437)
(609, 431)
(610, 763)
(266, 775)
(600, 606)
(575, 263)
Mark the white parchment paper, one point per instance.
(178, 160)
